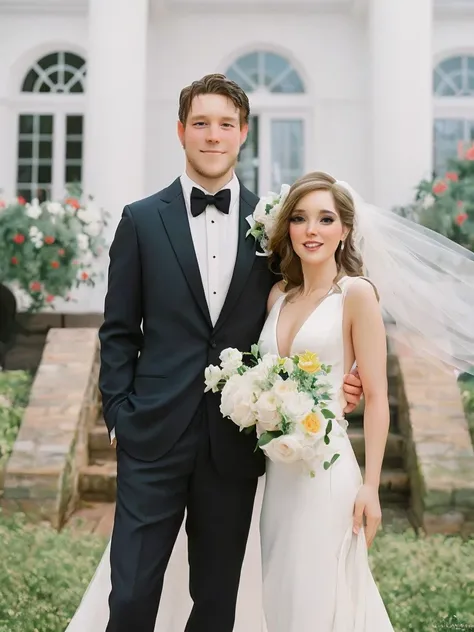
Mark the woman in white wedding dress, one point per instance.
(313, 561)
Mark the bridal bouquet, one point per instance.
(286, 399)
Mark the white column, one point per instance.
(401, 97)
(116, 96)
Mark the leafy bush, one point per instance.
(14, 393)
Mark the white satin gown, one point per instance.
(304, 570)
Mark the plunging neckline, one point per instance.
(313, 311)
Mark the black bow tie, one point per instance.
(200, 200)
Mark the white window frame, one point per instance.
(59, 106)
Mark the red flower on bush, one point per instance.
(55, 264)
(84, 276)
(461, 218)
(35, 286)
(469, 155)
(440, 187)
(2, 204)
(61, 252)
(49, 240)
(21, 200)
(50, 298)
(14, 261)
(19, 238)
(73, 202)
(452, 175)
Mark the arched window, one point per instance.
(275, 148)
(50, 126)
(453, 87)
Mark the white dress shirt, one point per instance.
(215, 237)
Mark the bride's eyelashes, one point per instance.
(297, 219)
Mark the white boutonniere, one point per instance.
(262, 221)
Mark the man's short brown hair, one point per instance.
(214, 84)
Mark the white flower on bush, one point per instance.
(89, 215)
(266, 411)
(284, 449)
(212, 377)
(33, 210)
(428, 201)
(237, 400)
(93, 229)
(36, 237)
(231, 361)
(83, 242)
(55, 208)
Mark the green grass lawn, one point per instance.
(14, 393)
(43, 574)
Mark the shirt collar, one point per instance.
(187, 185)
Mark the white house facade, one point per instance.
(376, 92)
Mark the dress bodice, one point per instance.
(321, 333)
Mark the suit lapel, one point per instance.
(175, 219)
(245, 256)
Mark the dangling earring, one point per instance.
(342, 245)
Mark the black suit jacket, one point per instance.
(157, 336)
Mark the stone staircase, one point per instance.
(97, 481)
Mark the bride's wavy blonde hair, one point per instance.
(283, 256)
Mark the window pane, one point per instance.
(74, 125)
(29, 82)
(275, 65)
(25, 149)
(73, 174)
(247, 166)
(233, 75)
(44, 175)
(26, 124)
(73, 60)
(248, 66)
(25, 173)
(48, 60)
(77, 87)
(45, 149)
(46, 124)
(44, 87)
(74, 149)
(24, 193)
(287, 151)
(289, 84)
(451, 65)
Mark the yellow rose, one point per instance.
(312, 423)
(309, 362)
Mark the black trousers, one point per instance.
(151, 501)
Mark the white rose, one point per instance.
(237, 401)
(34, 230)
(284, 449)
(296, 405)
(289, 366)
(93, 229)
(428, 201)
(89, 215)
(231, 361)
(259, 213)
(33, 210)
(212, 377)
(266, 411)
(83, 241)
(281, 388)
(260, 372)
(55, 208)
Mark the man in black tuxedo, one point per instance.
(185, 282)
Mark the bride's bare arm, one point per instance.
(370, 350)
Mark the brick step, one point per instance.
(97, 483)
(99, 445)
(394, 450)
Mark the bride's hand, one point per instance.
(367, 503)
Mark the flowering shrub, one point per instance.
(446, 204)
(49, 248)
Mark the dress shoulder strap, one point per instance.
(347, 281)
